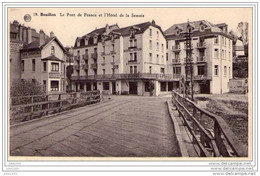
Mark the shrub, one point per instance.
(25, 88)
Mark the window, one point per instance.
(78, 53)
(216, 70)
(201, 70)
(130, 43)
(167, 57)
(135, 56)
(162, 70)
(52, 50)
(44, 66)
(132, 35)
(22, 65)
(150, 57)
(178, 32)
(150, 69)
(113, 47)
(113, 58)
(113, 71)
(225, 70)
(222, 54)
(229, 73)
(135, 43)
(54, 67)
(177, 70)
(162, 59)
(162, 48)
(33, 81)
(105, 85)
(151, 33)
(135, 69)
(157, 46)
(44, 85)
(33, 65)
(131, 69)
(54, 85)
(167, 45)
(104, 71)
(163, 86)
(81, 86)
(216, 53)
(157, 58)
(150, 44)
(131, 56)
(104, 60)
(229, 55)
(177, 55)
(157, 35)
(216, 40)
(202, 28)
(189, 30)
(104, 48)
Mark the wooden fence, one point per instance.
(24, 108)
(210, 132)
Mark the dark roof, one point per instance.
(100, 31)
(142, 27)
(53, 58)
(196, 24)
(36, 44)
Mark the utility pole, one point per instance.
(188, 61)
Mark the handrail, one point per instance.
(222, 141)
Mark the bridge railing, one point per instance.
(24, 107)
(209, 132)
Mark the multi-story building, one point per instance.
(20, 35)
(43, 60)
(122, 60)
(211, 47)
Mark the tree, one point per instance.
(242, 30)
(25, 88)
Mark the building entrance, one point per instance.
(133, 88)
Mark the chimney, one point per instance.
(42, 37)
(29, 35)
(153, 22)
(107, 29)
(52, 34)
(15, 23)
(21, 33)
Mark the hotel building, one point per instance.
(211, 47)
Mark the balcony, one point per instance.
(94, 66)
(176, 48)
(201, 45)
(94, 55)
(76, 58)
(85, 57)
(85, 66)
(115, 66)
(103, 64)
(132, 47)
(140, 76)
(176, 61)
(200, 77)
(201, 59)
(54, 74)
(112, 52)
(132, 62)
(102, 53)
(191, 47)
(76, 67)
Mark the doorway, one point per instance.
(114, 88)
(205, 88)
(133, 88)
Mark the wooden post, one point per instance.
(60, 103)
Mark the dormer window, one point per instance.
(86, 41)
(202, 28)
(52, 50)
(178, 32)
(78, 42)
(132, 34)
(95, 39)
(189, 29)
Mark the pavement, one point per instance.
(124, 126)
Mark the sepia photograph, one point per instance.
(129, 83)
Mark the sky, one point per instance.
(67, 25)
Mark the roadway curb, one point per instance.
(181, 144)
(59, 113)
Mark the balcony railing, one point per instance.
(132, 47)
(132, 61)
(112, 52)
(176, 61)
(201, 45)
(191, 47)
(176, 48)
(201, 59)
(76, 58)
(76, 67)
(151, 76)
(94, 55)
(94, 66)
(85, 56)
(85, 66)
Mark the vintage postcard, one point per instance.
(130, 83)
